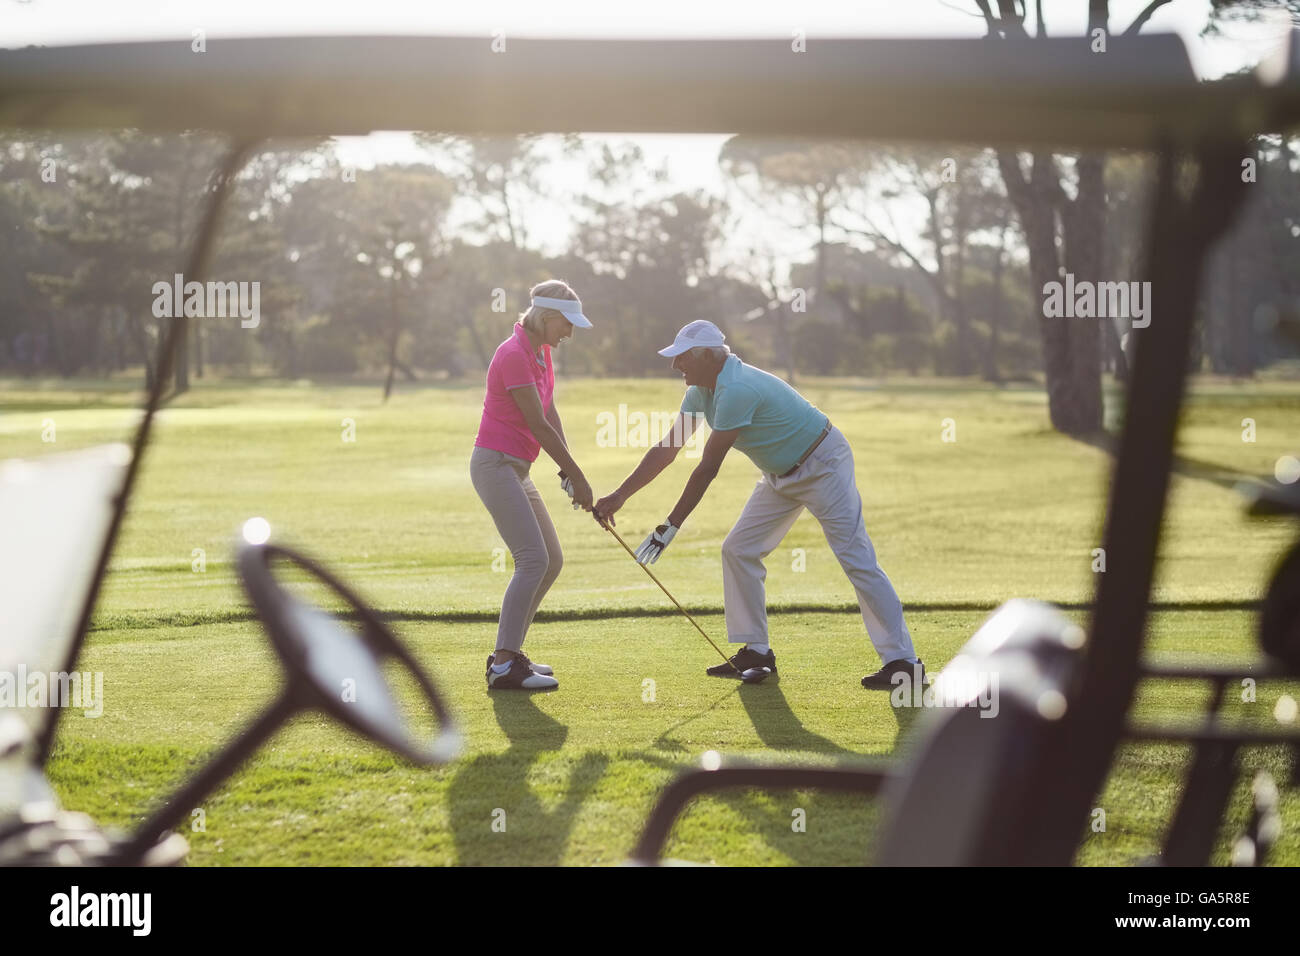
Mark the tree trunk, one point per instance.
(392, 362)
(477, 342)
(783, 330)
(142, 344)
(1239, 318)
(965, 345)
(406, 370)
(198, 351)
(965, 338)
(1071, 360)
(397, 334)
(1115, 350)
(182, 375)
(821, 246)
(1084, 221)
(991, 373)
(1071, 346)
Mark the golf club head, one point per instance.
(755, 675)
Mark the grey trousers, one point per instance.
(516, 507)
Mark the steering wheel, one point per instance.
(328, 667)
(322, 656)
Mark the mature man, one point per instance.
(806, 463)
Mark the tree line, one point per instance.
(916, 260)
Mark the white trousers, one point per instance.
(825, 485)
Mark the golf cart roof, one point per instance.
(1141, 92)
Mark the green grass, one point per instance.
(1009, 509)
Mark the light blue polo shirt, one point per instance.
(776, 423)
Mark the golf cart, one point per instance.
(57, 513)
(1030, 777)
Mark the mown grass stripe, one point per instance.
(137, 621)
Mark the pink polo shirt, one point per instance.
(514, 365)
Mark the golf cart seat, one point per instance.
(56, 513)
(968, 789)
(965, 796)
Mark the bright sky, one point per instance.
(79, 21)
(692, 160)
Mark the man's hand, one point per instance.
(655, 543)
(606, 507)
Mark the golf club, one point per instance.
(752, 675)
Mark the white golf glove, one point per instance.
(655, 543)
(566, 483)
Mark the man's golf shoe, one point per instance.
(884, 678)
(746, 660)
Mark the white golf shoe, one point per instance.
(519, 676)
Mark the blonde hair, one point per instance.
(533, 317)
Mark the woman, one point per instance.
(519, 419)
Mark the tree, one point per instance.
(497, 173)
(1071, 350)
(258, 242)
(959, 202)
(121, 229)
(649, 249)
(812, 177)
(1251, 273)
(383, 236)
(760, 271)
(1224, 12)
(174, 175)
(35, 199)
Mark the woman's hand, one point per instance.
(566, 485)
(581, 491)
(605, 507)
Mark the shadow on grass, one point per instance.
(1208, 471)
(664, 741)
(777, 725)
(905, 718)
(833, 828)
(497, 818)
(808, 827)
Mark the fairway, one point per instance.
(381, 494)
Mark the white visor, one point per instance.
(698, 334)
(571, 309)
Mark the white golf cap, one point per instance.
(571, 309)
(698, 334)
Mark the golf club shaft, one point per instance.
(620, 540)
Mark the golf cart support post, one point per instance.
(1141, 93)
